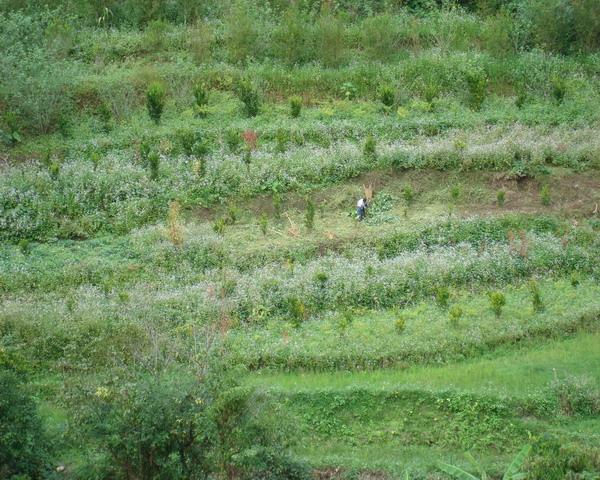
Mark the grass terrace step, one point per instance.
(372, 340)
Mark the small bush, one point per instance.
(24, 246)
(545, 195)
(309, 215)
(497, 302)
(400, 324)
(345, 320)
(233, 140)
(477, 84)
(232, 215)
(455, 313)
(295, 106)
(536, 296)
(219, 226)
(281, 139)
(387, 96)
(201, 98)
(442, 295)
(500, 197)
(575, 279)
(155, 101)
(370, 148)
(263, 223)
(174, 227)
(106, 117)
(408, 194)
(154, 164)
(297, 311)
(249, 96)
(455, 192)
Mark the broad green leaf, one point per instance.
(456, 472)
(512, 472)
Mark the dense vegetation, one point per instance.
(185, 291)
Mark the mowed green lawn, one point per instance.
(517, 372)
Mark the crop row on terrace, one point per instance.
(77, 199)
(429, 333)
(148, 253)
(116, 324)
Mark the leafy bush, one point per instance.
(400, 324)
(477, 84)
(387, 95)
(408, 194)
(442, 295)
(263, 223)
(500, 196)
(155, 101)
(545, 197)
(154, 164)
(295, 106)
(370, 147)
(455, 313)
(497, 302)
(249, 96)
(201, 98)
(536, 296)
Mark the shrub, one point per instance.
(455, 192)
(155, 34)
(309, 215)
(575, 279)
(154, 164)
(370, 147)
(263, 223)
(295, 106)
(24, 246)
(281, 138)
(201, 98)
(233, 140)
(232, 215)
(455, 313)
(500, 196)
(297, 311)
(497, 302)
(387, 95)
(200, 42)
(400, 324)
(249, 96)
(408, 194)
(24, 453)
(442, 295)
(536, 296)
(477, 83)
(219, 226)
(545, 195)
(345, 320)
(105, 114)
(144, 150)
(54, 169)
(155, 101)
(174, 227)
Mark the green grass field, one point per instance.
(185, 290)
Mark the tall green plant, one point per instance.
(155, 101)
(513, 471)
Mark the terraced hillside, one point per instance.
(186, 292)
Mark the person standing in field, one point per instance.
(361, 208)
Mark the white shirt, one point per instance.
(360, 203)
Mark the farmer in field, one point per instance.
(361, 208)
